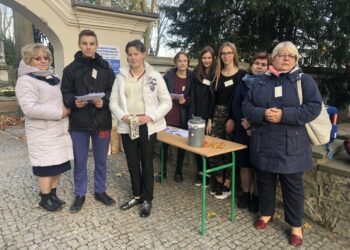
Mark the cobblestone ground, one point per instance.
(174, 223)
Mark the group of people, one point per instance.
(259, 108)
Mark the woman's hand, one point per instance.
(144, 119)
(98, 103)
(245, 123)
(230, 124)
(273, 115)
(66, 112)
(125, 119)
(208, 129)
(182, 100)
(80, 103)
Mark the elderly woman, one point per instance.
(46, 124)
(280, 146)
(139, 100)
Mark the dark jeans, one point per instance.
(100, 145)
(292, 193)
(138, 151)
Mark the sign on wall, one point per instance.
(112, 55)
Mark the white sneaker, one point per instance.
(225, 192)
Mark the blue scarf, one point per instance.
(50, 79)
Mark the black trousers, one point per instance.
(292, 194)
(138, 151)
(179, 160)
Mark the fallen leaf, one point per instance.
(211, 214)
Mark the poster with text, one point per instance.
(112, 55)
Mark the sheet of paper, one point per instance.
(177, 131)
(91, 96)
(176, 96)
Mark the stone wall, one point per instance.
(327, 200)
(327, 196)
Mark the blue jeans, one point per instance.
(100, 145)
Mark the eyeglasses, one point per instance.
(288, 56)
(259, 63)
(41, 58)
(226, 54)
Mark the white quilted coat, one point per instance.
(48, 139)
(156, 98)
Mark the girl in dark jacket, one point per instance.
(177, 80)
(220, 124)
(241, 134)
(201, 94)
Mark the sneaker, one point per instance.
(223, 193)
(216, 188)
(197, 181)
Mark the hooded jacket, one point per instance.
(156, 98)
(48, 140)
(79, 78)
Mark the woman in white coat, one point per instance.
(139, 100)
(46, 124)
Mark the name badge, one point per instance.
(206, 82)
(94, 73)
(278, 91)
(183, 88)
(228, 83)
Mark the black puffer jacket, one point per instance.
(77, 80)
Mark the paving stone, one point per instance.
(174, 224)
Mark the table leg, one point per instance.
(233, 180)
(204, 171)
(161, 164)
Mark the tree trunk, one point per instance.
(148, 33)
(23, 33)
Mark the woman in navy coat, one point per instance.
(259, 64)
(280, 146)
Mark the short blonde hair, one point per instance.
(291, 48)
(32, 50)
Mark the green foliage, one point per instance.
(7, 91)
(10, 56)
(257, 25)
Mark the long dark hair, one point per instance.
(199, 70)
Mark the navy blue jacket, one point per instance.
(284, 147)
(184, 108)
(239, 133)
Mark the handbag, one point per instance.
(319, 129)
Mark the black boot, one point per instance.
(55, 198)
(77, 204)
(254, 204)
(243, 200)
(47, 203)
